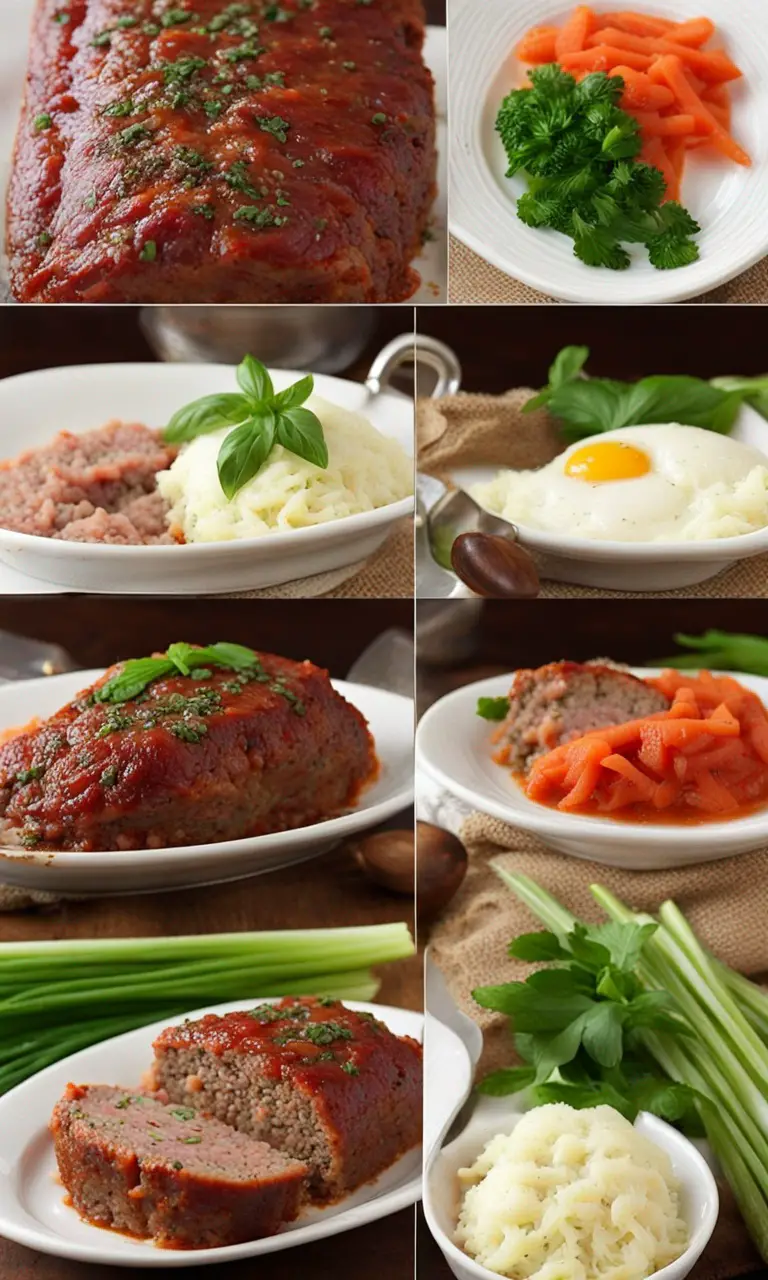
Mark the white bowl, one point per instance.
(453, 748)
(699, 1198)
(638, 566)
(390, 718)
(35, 406)
(730, 202)
(32, 1208)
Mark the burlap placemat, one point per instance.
(472, 279)
(478, 430)
(386, 575)
(726, 902)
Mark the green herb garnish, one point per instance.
(148, 251)
(30, 775)
(274, 125)
(42, 122)
(180, 659)
(493, 708)
(261, 418)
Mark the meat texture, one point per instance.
(564, 700)
(204, 151)
(132, 1163)
(331, 1087)
(191, 760)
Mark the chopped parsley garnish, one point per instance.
(30, 775)
(184, 1113)
(30, 838)
(241, 52)
(276, 13)
(175, 17)
(350, 1068)
(177, 1164)
(150, 29)
(114, 722)
(325, 1032)
(349, 66)
(44, 239)
(102, 40)
(133, 134)
(274, 125)
(379, 118)
(238, 179)
(90, 201)
(206, 211)
(327, 1002)
(43, 121)
(325, 33)
(109, 776)
(266, 1013)
(191, 1140)
(148, 251)
(123, 108)
(62, 17)
(256, 217)
(124, 23)
(213, 108)
(188, 732)
(298, 164)
(182, 70)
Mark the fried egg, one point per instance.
(657, 483)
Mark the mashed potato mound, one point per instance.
(365, 470)
(572, 1195)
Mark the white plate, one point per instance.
(729, 201)
(638, 566)
(140, 871)
(32, 1211)
(35, 406)
(432, 262)
(453, 747)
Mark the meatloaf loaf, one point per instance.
(564, 700)
(149, 1169)
(202, 151)
(327, 1085)
(188, 760)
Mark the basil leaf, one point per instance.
(245, 450)
(666, 398)
(181, 656)
(295, 394)
(300, 431)
(493, 708)
(507, 1080)
(537, 947)
(133, 679)
(566, 366)
(210, 413)
(588, 407)
(236, 656)
(254, 380)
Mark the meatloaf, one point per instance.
(327, 1085)
(188, 760)
(202, 151)
(149, 1169)
(564, 700)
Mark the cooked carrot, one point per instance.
(604, 58)
(638, 24)
(573, 36)
(654, 125)
(696, 32)
(640, 93)
(671, 72)
(538, 45)
(653, 153)
(714, 66)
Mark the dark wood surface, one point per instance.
(330, 891)
(503, 347)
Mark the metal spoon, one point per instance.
(483, 550)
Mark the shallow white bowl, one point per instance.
(638, 566)
(442, 1197)
(35, 406)
(32, 1208)
(730, 202)
(147, 870)
(453, 747)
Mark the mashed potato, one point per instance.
(365, 470)
(572, 1195)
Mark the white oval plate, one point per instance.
(32, 1208)
(432, 262)
(729, 201)
(453, 747)
(390, 717)
(35, 406)
(638, 566)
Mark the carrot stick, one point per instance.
(638, 24)
(640, 93)
(670, 71)
(714, 66)
(538, 45)
(653, 153)
(573, 36)
(655, 126)
(603, 58)
(696, 32)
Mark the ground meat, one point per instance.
(320, 1082)
(239, 153)
(131, 1162)
(193, 760)
(96, 487)
(564, 700)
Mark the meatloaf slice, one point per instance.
(130, 1162)
(563, 700)
(320, 1082)
(215, 755)
(209, 152)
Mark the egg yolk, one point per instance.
(610, 460)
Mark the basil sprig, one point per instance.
(137, 673)
(262, 418)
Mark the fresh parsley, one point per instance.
(493, 708)
(578, 151)
(261, 417)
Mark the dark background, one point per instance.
(503, 347)
(435, 12)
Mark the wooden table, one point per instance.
(330, 891)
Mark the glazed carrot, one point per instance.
(695, 32)
(538, 45)
(604, 57)
(573, 36)
(715, 66)
(653, 153)
(670, 71)
(640, 93)
(654, 125)
(638, 24)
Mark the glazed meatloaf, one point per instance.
(563, 700)
(202, 151)
(329, 1086)
(132, 1163)
(188, 760)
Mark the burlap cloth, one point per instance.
(472, 279)
(386, 575)
(476, 430)
(726, 902)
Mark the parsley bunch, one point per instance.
(578, 151)
(262, 418)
